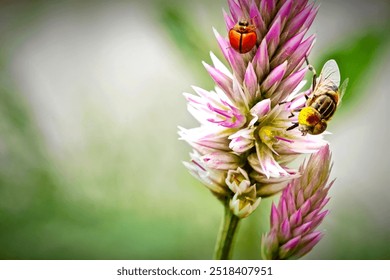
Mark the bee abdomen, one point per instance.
(325, 105)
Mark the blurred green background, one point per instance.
(90, 101)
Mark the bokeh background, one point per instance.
(90, 101)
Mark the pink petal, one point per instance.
(298, 21)
(299, 4)
(288, 48)
(305, 208)
(250, 81)
(273, 36)
(221, 160)
(284, 12)
(308, 247)
(223, 81)
(255, 15)
(273, 79)
(262, 108)
(298, 58)
(274, 216)
(267, 163)
(261, 60)
(311, 215)
(318, 219)
(287, 249)
(283, 208)
(235, 10)
(266, 8)
(244, 4)
(296, 218)
(310, 237)
(291, 82)
(285, 230)
(311, 17)
(228, 21)
(303, 228)
(235, 59)
(291, 204)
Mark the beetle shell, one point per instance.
(242, 37)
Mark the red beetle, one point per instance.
(243, 36)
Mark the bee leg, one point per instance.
(311, 68)
(293, 126)
(306, 97)
(292, 112)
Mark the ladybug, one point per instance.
(242, 36)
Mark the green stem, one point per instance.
(226, 235)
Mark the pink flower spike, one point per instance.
(307, 216)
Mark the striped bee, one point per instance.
(323, 102)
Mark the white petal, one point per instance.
(220, 66)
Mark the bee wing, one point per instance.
(330, 73)
(343, 87)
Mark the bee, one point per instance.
(323, 102)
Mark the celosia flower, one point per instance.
(242, 122)
(299, 211)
